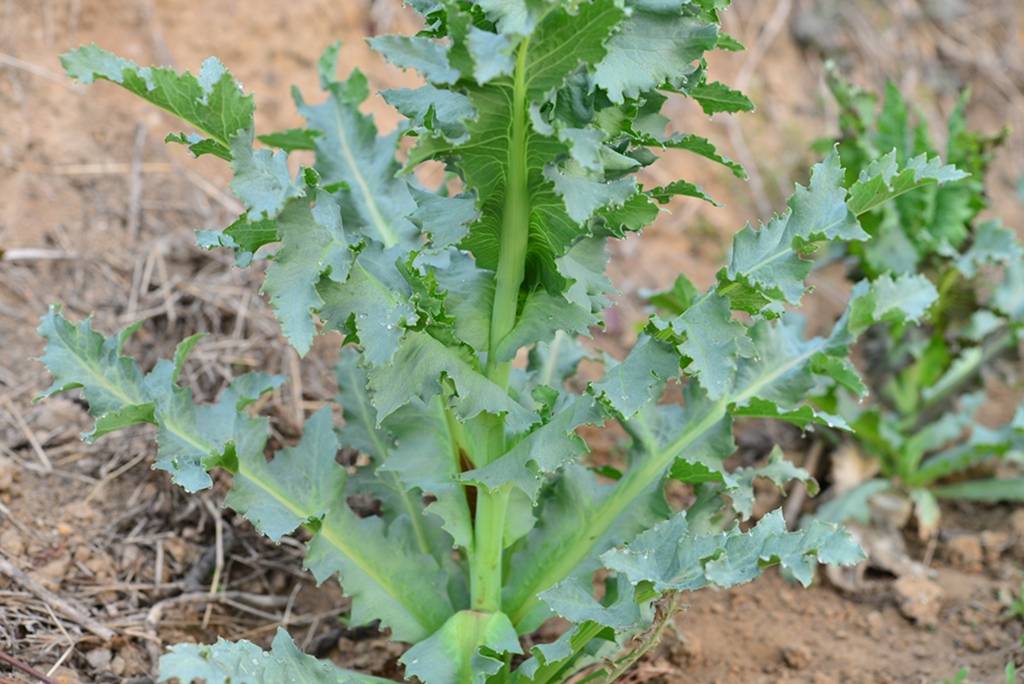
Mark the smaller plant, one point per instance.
(961, 676)
(924, 378)
(1015, 604)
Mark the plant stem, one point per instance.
(492, 506)
(667, 610)
(515, 226)
(489, 542)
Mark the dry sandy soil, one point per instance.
(86, 178)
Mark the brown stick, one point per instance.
(135, 182)
(58, 604)
(24, 668)
(29, 435)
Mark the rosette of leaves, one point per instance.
(925, 378)
(489, 520)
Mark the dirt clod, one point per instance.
(993, 544)
(918, 598)
(796, 657)
(965, 552)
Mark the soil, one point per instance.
(86, 178)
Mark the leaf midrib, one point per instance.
(387, 235)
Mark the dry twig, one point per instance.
(76, 615)
(24, 668)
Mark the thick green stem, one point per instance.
(488, 544)
(515, 226)
(492, 506)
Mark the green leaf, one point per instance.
(111, 383)
(191, 438)
(905, 298)
(492, 54)
(674, 559)
(551, 364)
(349, 152)
(388, 578)
(656, 426)
(640, 378)
(242, 662)
(543, 315)
(842, 371)
(739, 485)
(542, 452)
(213, 101)
(926, 510)
(518, 17)
(992, 243)
(853, 504)
(727, 42)
(371, 306)
(679, 188)
(469, 295)
(696, 144)
(885, 178)
(981, 324)
(653, 48)
(291, 140)
(991, 491)
(713, 342)
(194, 438)
(801, 417)
(262, 179)
(1009, 294)
(306, 481)
(572, 503)
(675, 300)
(413, 449)
(416, 52)
(417, 370)
(314, 244)
(583, 196)
(468, 648)
(770, 260)
(576, 603)
(243, 236)
(483, 158)
(437, 110)
(717, 97)
(983, 444)
(778, 471)
(445, 219)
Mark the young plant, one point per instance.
(488, 521)
(924, 378)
